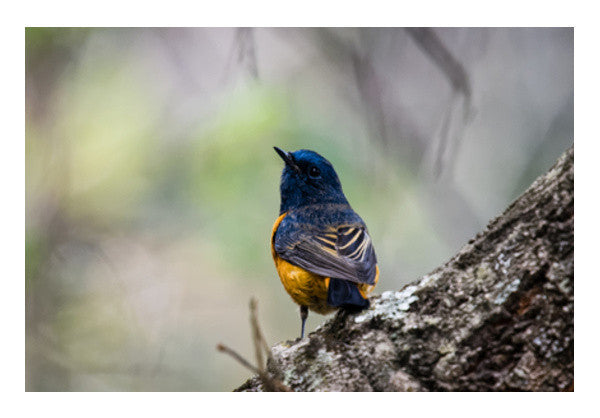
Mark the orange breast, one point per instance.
(306, 288)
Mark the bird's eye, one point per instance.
(314, 172)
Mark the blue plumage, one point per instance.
(319, 232)
(345, 295)
(308, 179)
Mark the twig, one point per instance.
(259, 339)
(256, 337)
(271, 384)
(224, 349)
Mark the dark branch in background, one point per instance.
(381, 118)
(246, 51)
(428, 41)
(369, 86)
(270, 383)
(433, 46)
(173, 43)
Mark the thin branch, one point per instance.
(256, 336)
(270, 383)
(259, 340)
(224, 349)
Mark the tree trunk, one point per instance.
(497, 316)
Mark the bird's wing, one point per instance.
(341, 252)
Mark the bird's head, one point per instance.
(308, 178)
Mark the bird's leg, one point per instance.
(303, 316)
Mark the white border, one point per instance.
(306, 13)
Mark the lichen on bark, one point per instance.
(497, 316)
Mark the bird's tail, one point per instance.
(345, 294)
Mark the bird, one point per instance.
(322, 250)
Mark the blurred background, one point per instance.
(152, 184)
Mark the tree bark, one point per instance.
(498, 316)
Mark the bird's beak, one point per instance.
(286, 156)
